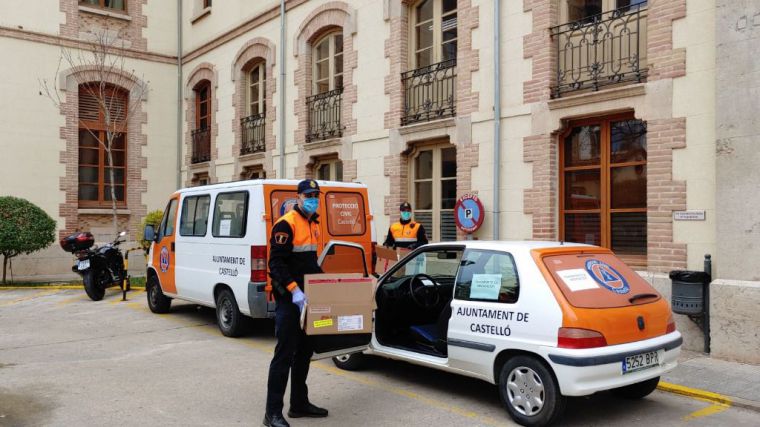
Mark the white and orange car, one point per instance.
(542, 320)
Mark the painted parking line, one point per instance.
(34, 295)
(719, 402)
(323, 366)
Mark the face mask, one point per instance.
(406, 216)
(310, 205)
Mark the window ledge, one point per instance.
(200, 165)
(637, 89)
(424, 126)
(102, 12)
(332, 142)
(200, 15)
(102, 211)
(253, 156)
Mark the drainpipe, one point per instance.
(496, 119)
(281, 107)
(179, 94)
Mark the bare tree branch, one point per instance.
(100, 72)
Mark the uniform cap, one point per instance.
(405, 207)
(308, 186)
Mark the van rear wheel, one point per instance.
(157, 301)
(530, 392)
(230, 319)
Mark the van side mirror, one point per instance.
(149, 233)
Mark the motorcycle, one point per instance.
(101, 267)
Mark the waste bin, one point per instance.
(688, 291)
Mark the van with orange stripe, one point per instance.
(542, 320)
(212, 244)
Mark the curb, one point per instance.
(709, 396)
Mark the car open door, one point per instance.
(345, 260)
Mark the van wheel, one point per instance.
(92, 283)
(228, 316)
(350, 362)
(638, 390)
(157, 301)
(529, 392)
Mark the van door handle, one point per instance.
(172, 246)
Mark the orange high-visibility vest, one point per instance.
(405, 233)
(305, 233)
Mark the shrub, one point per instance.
(24, 228)
(153, 218)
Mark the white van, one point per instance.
(211, 247)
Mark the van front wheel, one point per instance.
(529, 392)
(350, 362)
(157, 301)
(228, 316)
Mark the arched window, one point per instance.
(328, 63)
(202, 133)
(103, 112)
(256, 95)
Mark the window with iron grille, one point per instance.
(201, 135)
(253, 124)
(324, 105)
(102, 110)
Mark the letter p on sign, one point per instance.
(468, 213)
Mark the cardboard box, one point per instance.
(386, 258)
(338, 304)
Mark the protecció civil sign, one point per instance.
(469, 213)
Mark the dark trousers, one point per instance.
(291, 355)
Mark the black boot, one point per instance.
(275, 420)
(309, 410)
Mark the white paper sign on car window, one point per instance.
(224, 227)
(577, 279)
(485, 286)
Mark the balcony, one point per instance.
(252, 131)
(201, 145)
(429, 92)
(600, 50)
(324, 111)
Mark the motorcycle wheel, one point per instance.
(93, 283)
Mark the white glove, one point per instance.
(299, 298)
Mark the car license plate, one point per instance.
(83, 265)
(642, 361)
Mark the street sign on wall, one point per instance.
(469, 213)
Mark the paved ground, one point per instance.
(65, 360)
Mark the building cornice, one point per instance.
(81, 44)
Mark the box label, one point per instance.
(350, 323)
(323, 323)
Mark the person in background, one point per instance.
(294, 242)
(406, 233)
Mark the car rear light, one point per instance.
(671, 325)
(580, 338)
(258, 263)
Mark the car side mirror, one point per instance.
(149, 233)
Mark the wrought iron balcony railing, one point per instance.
(429, 92)
(601, 50)
(324, 111)
(252, 131)
(201, 145)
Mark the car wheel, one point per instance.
(157, 301)
(350, 362)
(638, 390)
(228, 316)
(530, 392)
(92, 286)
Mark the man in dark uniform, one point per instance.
(294, 242)
(406, 233)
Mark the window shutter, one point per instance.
(88, 106)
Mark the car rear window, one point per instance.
(282, 202)
(345, 213)
(598, 281)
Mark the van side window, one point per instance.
(487, 276)
(230, 213)
(170, 218)
(194, 216)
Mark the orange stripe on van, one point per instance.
(613, 323)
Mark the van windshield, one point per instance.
(598, 281)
